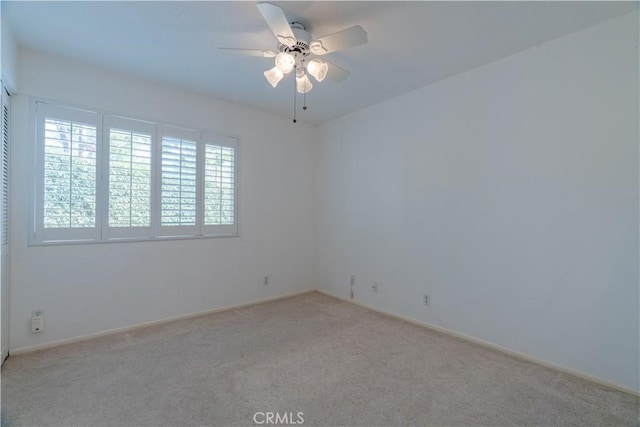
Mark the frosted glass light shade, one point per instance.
(318, 69)
(303, 84)
(273, 76)
(285, 62)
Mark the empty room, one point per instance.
(320, 213)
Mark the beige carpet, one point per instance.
(337, 363)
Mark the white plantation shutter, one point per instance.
(220, 185)
(105, 177)
(129, 158)
(67, 156)
(179, 186)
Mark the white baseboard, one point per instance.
(57, 343)
(497, 347)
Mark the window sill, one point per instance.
(128, 240)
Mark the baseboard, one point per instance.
(58, 343)
(4, 353)
(490, 345)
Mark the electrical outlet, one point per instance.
(266, 280)
(37, 321)
(427, 300)
(374, 287)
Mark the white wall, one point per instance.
(8, 53)
(2, 25)
(509, 194)
(85, 289)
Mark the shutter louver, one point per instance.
(178, 186)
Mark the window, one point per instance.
(179, 187)
(130, 179)
(68, 168)
(104, 177)
(69, 174)
(219, 184)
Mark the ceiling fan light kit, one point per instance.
(318, 69)
(285, 62)
(303, 84)
(295, 47)
(274, 76)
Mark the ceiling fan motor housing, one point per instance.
(303, 39)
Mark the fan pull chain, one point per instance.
(304, 97)
(294, 100)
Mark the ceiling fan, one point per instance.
(298, 51)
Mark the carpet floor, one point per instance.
(334, 362)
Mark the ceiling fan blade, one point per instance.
(277, 21)
(265, 53)
(353, 36)
(336, 73)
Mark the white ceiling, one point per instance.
(411, 44)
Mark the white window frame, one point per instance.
(102, 232)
